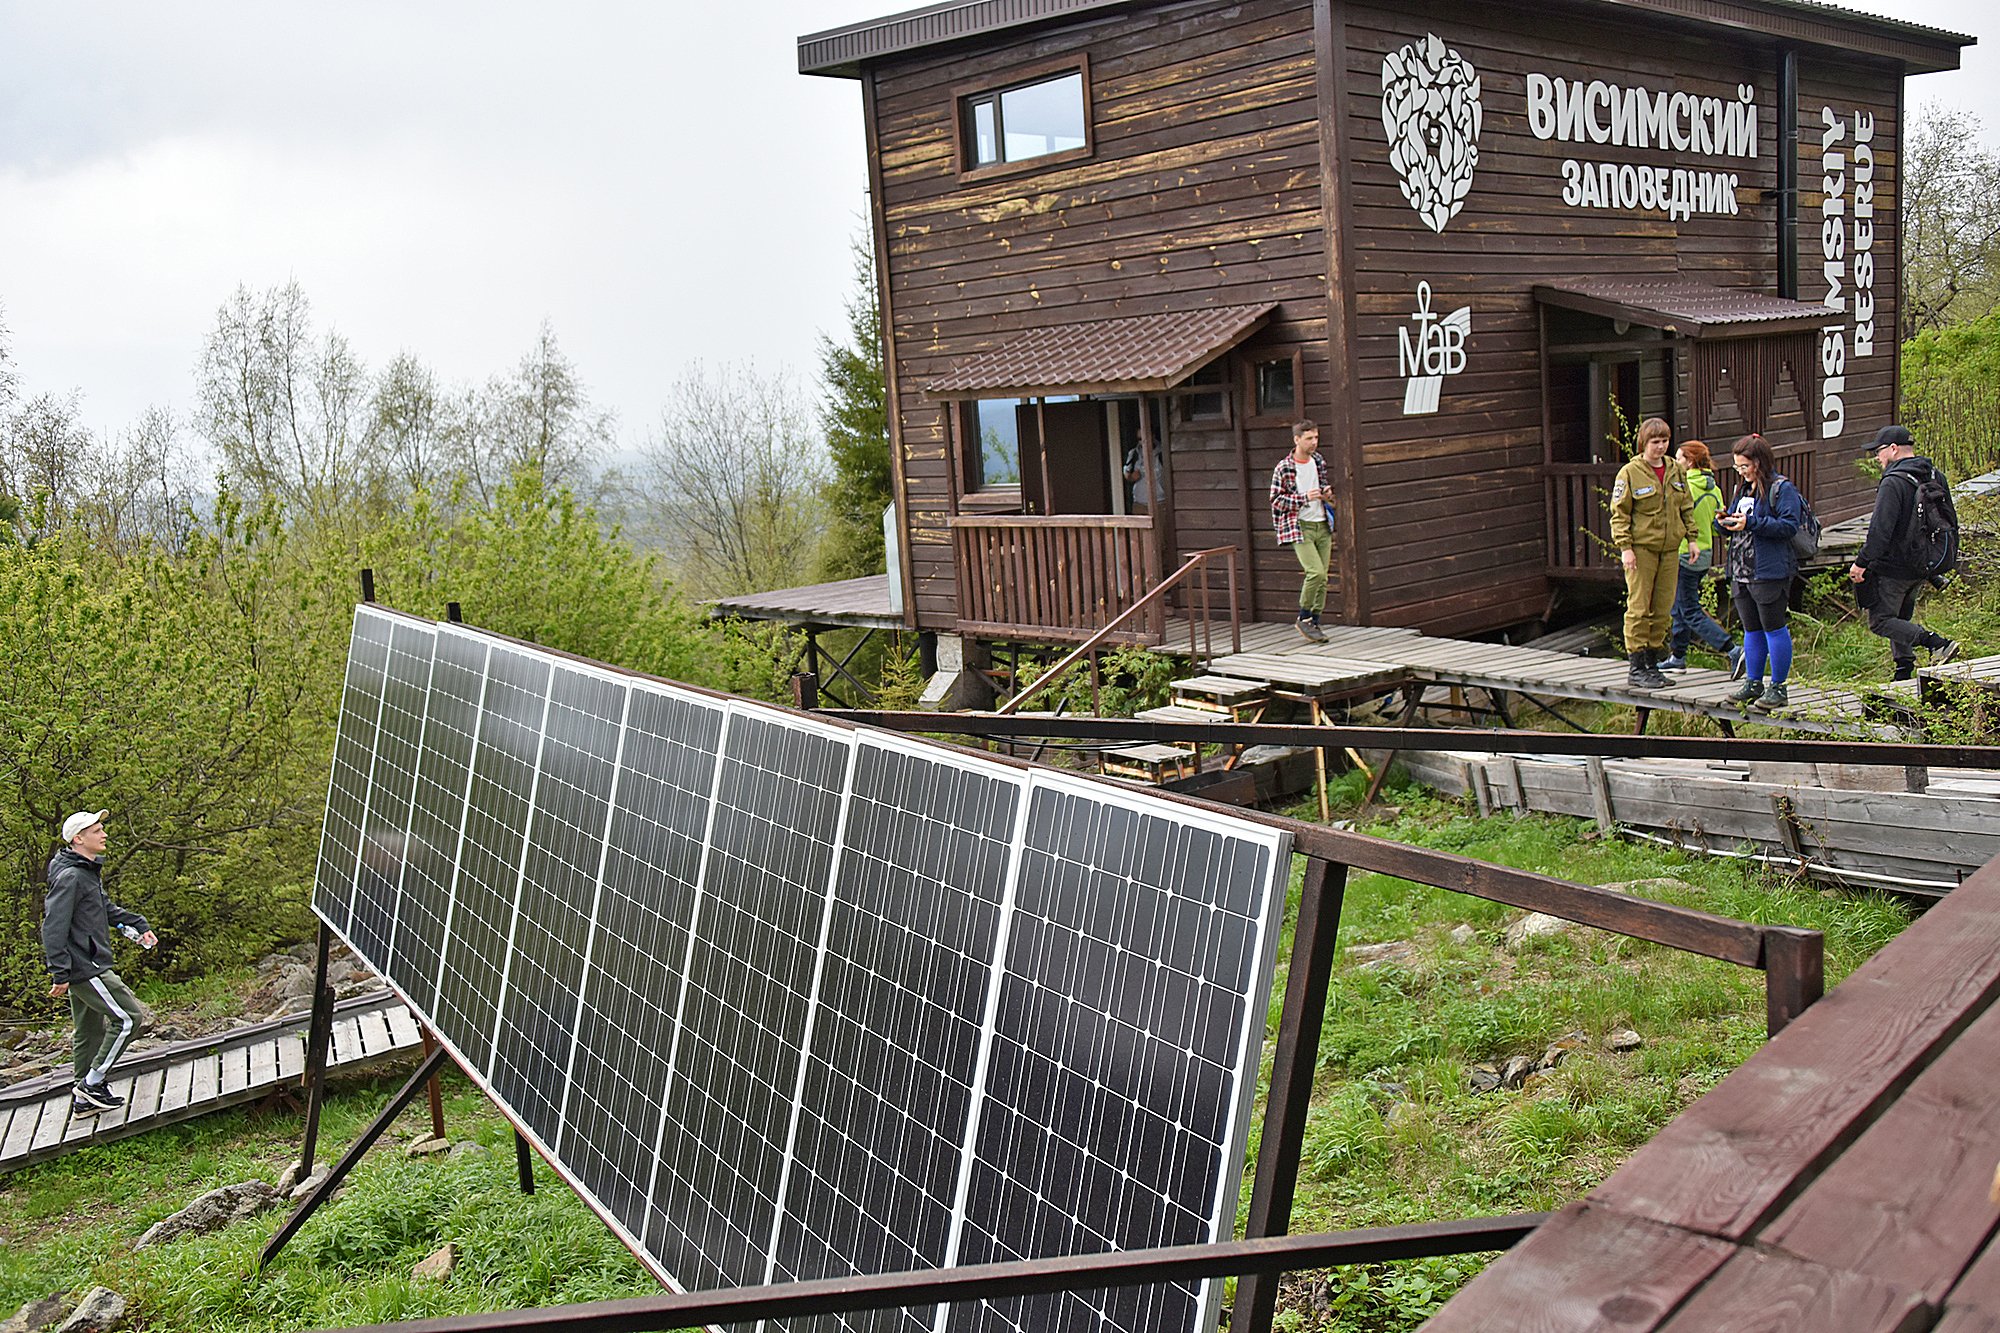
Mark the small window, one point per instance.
(1204, 398)
(1025, 122)
(996, 459)
(1274, 387)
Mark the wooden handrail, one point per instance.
(1090, 645)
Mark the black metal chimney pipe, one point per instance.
(1788, 172)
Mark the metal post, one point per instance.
(453, 614)
(436, 1092)
(338, 1171)
(1794, 974)
(319, 1037)
(805, 691)
(367, 585)
(1306, 982)
(524, 1162)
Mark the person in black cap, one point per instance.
(1888, 573)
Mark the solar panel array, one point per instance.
(784, 999)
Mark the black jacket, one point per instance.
(77, 916)
(1887, 552)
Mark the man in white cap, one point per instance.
(77, 916)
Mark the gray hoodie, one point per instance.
(77, 916)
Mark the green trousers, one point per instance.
(1650, 586)
(1314, 548)
(107, 1017)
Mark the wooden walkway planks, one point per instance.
(1274, 655)
(192, 1078)
(1842, 1171)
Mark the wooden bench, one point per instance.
(1837, 1181)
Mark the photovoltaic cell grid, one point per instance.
(786, 1000)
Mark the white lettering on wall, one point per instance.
(1675, 191)
(1432, 350)
(1572, 111)
(1846, 231)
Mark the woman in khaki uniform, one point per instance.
(1652, 514)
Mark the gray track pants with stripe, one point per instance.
(107, 1016)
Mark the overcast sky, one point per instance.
(653, 178)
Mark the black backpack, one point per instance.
(1805, 542)
(1931, 540)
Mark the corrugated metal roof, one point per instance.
(1134, 354)
(841, 52)
(1677, 305)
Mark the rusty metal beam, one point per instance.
(1181, 1263)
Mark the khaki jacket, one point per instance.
(1648, 515)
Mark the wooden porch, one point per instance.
(1057, 578)
(1577, 508)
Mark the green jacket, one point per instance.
(1707, 493)
(1648, 515)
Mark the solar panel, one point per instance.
(785, 999)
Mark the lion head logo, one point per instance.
(1430, 106)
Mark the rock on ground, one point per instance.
(430, 1145)
(1624, 1040)
(213, 1211)
(99, 1311)
(435, 1266)
(1387, 954)
(36, 1316)
(1534, 926)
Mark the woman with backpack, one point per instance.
(1691, 620)
(1766, 513)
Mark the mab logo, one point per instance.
(1431, 350)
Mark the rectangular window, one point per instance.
(1275, 389)
(1204, 397)
(996, 460)
(1030, 120)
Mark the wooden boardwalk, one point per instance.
(1838, 1182)
(195, 1077)
(1275, 654)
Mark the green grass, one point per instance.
(1397, 1136)
(69, 1224)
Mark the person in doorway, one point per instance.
(1691, 620)
(77, 917)
(1144, 494)
(1652, 522)
(1889, 571)
(1767, 510)
(1302, 512)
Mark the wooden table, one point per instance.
(1836, 1183)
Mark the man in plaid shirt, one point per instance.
(1302, 512)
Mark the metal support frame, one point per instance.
(994, 1282)
(338, 1171)
(524, 1162)
(1308, 977)
(319, 1039)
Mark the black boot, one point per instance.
(1654, 678)
(1642, 676)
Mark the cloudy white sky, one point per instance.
(653, 177)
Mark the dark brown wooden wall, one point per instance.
(1203, 189)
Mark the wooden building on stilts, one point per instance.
(1123, 244)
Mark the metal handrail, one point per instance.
(1198, 560)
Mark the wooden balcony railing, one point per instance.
(1058, 578)
(1578, 508)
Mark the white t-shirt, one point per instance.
(1308, 478)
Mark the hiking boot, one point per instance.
(1642, 676)
(1678, 662)
(1905, 671)
(1944, 652)
(1747, 693)
(98, 1095)
(1737, 666)
(1309, 629)
(1774, 698)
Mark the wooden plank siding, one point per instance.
(1203, 189)
(1207, 183)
